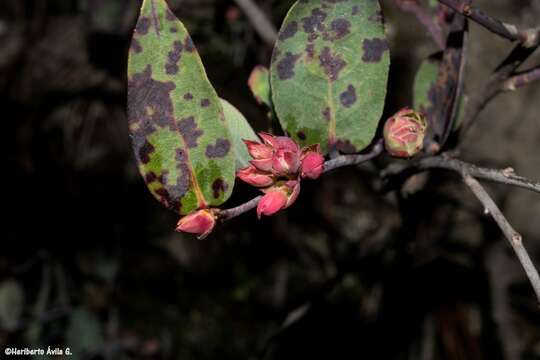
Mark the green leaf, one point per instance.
(259, 84)
(424, 82)
(180, 138)
(240, 130)
(84, 333)
(329, 73)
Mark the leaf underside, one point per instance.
(329, 73)
(240, 130)
(180, 138)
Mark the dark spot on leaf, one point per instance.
(348, 97)
(289, 31)
(174, 30)
(150, 106)
(188, 44)
(219, 186)
(142, 26)
(173, 58)
(354, 10)
(188, 96)
(150, 177)
(136, 46)
(331, 64)
(301, 135)
(205, 102)
(327, 114)
(144, 152)
(220, 149)
(374, 49)
(285, 66)
(314, 22)
(189, 131)
(341, 27)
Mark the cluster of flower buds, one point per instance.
(404, 133)
(277, 167)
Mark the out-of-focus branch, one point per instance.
(259, 20)
(494, 86)
(425, 18)
(509, 232)
(521, 79)
(527, 37)
(502, 176)
(340, 161)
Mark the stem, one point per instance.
(521, 79)
(259, 21)
(425, 18)
(512, 235)
(528, 37)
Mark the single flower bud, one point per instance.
(404, 133)
(258, 150)
(255, 177)
(312, 163)
(285, 162)
(273, 201)
(200, 223)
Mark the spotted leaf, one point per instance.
(329, 72)
(180, 138)
(240, 130)
(425, 83)
(259, 84)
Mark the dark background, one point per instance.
(91, 261)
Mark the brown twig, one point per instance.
(494, 86)
(521, 79)
(340, 161)
(528, 37)
(425, 18)
(259, 20)
(509, 232)
(504, 176)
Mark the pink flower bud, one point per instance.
(285, 162)
(258, 150)
(312, 163)
(269, 139)
(404, 133)
(200, 222)
(286, 143)
(254, 177)
(272, 202)
(293, 187)
(263, 164)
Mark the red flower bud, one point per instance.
(254, 177)
(312, 164)
(258, 150)
(293, 187)
(263, 164)
(285, 162)
(200, 222)
(272, 202)
(404, 133)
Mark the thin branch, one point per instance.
(512, 235)
(528, 37)
(425, 18)
(494, 86)
(504, 176)
(259, 20)
(340, 161)
(521, 79)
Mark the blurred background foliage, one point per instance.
(91, 260)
